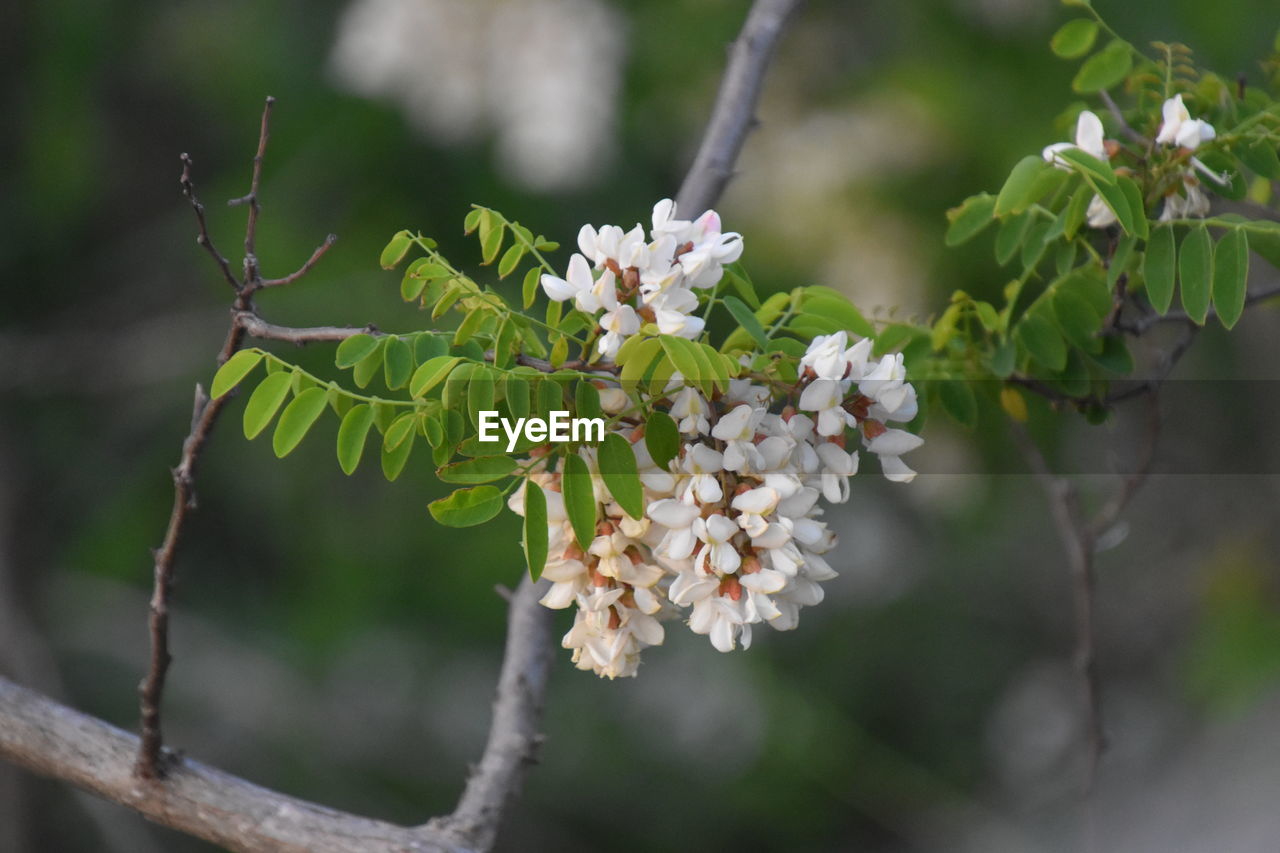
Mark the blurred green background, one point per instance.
(331, 641)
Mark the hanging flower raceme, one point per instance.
(645, 281)
(731, 535)
(1186, 198)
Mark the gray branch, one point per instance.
(514, 738)
(734, 111)
(56, 741)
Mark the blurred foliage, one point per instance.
(334, 642)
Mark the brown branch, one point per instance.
(733, 114)
(203, 238)
(305, 268)
(152, 762)
(252, 274)
(56, 741)
(514, 738)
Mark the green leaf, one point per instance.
(397, 363)
(1076, 317)
(1077, 209)
(394, 460)
(1043, 341)
(235, 369)
(480, 393)
(491, 243)
(1074, 38)
(297, 418)
(395, 251)
(431, 373)
(510, 260)
(366, 368)
(1088, 165)
(529, 289)
(618, 468)
(482, 469)
(1230, 275)
(1016, 193)
(453, 394)
(550, 397)
(351, 436)
(1261, 158)
(1195, 271)
(467, 507)
(429, 345)
(579, 499)
(354, 349)
(472, 221)
(661, 438)
(1114, 196)
(958, 401)
(970, 218)
(742, 283)
(1137, 207)
(399, 430)
(1010, 236)
(587, 400)
(830, 303)
(893, 336)
(639, 360)
(1158, 268)
(265, 401)
(1104, 69)
(470, 325)
(747, 319)
(535, 528)
(515, 390)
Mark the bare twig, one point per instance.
(514, 738)
(305, 268)
(733, 114)
(56, 741)
(151, 763)
(203, 238)
(1128, 131)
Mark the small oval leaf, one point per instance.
(579, 498)
(297, 418)
(467, 507)
(233, 371)
(265, 401)
(535, 528)
(351, 436)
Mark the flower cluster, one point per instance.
(650, 280)
(1178, 129)
(731, 536)
(1185, 133)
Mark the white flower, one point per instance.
(753, 505)
(1099, 215)
(826, 397)
(837, 467)
(702, 463)
(1180, 129)
(738, 429)
(690, 410)
(678, 518)
(717, 554)
(1089, 139)
(891, 444)
(618, 324)
(825, 356)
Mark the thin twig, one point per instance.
(152, 761)
(305, 268)
(733, 114)
(1128, 131)
(203, 238)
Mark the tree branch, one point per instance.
(733, 114)
(56, 741)
(514, 738)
